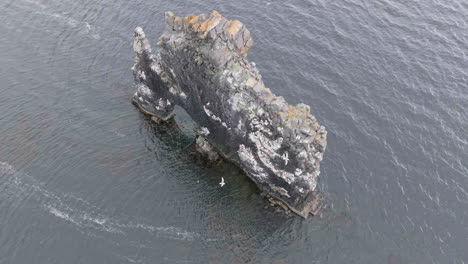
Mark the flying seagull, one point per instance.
(222, 183)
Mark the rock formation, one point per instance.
(201, 65)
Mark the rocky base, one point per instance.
(313, 205)
(206, 150)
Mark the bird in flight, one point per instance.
(222, 183)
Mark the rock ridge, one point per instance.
(201, 65)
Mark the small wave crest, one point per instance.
(6, 168)
(85, 220)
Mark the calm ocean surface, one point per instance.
(86, 178)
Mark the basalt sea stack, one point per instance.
(201, 65)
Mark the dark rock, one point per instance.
(201, 65)
(206, 150)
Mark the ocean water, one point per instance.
(86, 178)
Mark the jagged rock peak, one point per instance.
(214, 26)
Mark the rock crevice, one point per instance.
(201, 65)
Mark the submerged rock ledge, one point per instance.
(201, 65)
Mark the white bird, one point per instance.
(222, 183)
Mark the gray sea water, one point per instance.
(86, 178)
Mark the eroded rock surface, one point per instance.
(201, 65)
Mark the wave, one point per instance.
(77, 211)
(65, 19)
